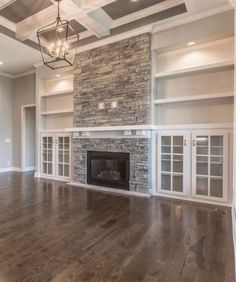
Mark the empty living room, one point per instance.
(117, 141)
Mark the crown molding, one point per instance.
(188, 18)
(17, 75)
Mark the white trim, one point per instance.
(115, 38)
(23, 108)
(23, 74)
(109, 190)
(69, 111)
(149, 127)
(17, 75)
(188, 18)
(32, 168)
(111, 128)
(199, 46)
(199, 68)
(196, 126)
(194, 98)
(192, 200)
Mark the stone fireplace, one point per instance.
(116, 74)
(108, 169)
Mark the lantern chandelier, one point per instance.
(58, 43)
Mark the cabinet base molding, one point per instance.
(110, 190)
(193, 200)
(38, 175)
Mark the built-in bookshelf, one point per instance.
(56, 102)
(194, 84)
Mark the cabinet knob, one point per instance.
(194, 143)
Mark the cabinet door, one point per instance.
(172, 163)
(47, 155)
(209, 165)
(63, 156)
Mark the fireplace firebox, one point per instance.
(108, 169)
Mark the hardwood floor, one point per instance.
(52, 232)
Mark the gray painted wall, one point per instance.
(5, 122)
(23, 94)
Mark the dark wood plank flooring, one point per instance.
(52, 232)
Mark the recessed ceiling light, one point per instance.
(1, 63)
(191, 43)
(134, 0)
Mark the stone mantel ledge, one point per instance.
(131, 131)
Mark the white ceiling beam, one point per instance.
(157, 8)
(7, 24)
(233, 3)
(5, 3)
(96, 21)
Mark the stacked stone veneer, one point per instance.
(139, 149)
(116, 72)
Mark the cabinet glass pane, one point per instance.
(66, 171)
(216, 188)
(178, 144)
(166, 182)
(202, 186)
(45, 168)
(202, 168)
(202, 145)
(178, 183)
(50, 155)
(45, 156)
(166, 144)
(217, 145)
(66, 158)
(60, 157)
(178, 163)
(166, 166)
(60, 170)
(216, 169)
(50, 168)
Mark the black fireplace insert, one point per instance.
(108, 169)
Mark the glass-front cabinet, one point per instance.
(209, 166)
(63, 156)
(172, 171)
(47, 147)
(56, 156)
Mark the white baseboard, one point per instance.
(10, 169)
(16, 169)
(110, 190)
(234, 232)
(28, 169)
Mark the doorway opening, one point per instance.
(28, 137)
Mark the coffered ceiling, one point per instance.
(94, 20)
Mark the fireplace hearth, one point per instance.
(108, 169)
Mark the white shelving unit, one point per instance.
(54, 116)
(202, 75)
(194, 98)
(56, 102)
(198, 68)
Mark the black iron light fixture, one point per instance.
(58, 43)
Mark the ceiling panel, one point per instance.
(77, 26)
(121, 8)
(22, 9)
(180, 9)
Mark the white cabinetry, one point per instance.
(209, 166)
(56, 156)
(172, 165)
(194, 165)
